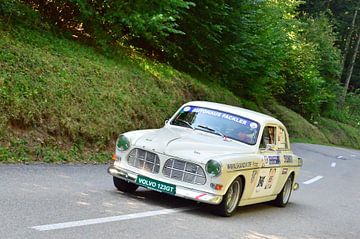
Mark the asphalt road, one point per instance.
(34, 199)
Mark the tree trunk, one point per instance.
(350, 69)
(347, 44)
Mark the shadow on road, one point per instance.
(200, 209)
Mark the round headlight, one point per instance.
(123, 143)
(213, 168)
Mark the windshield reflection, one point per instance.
(219, 123)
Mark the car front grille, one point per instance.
(144, 160)
(184, 171)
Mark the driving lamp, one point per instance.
(213, 168)
(123, 143)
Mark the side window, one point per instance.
(282, 139)
(268, 136)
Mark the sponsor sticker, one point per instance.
(273, 160)
(236, 166)
(223, 115)
(264, 161)
(187, 108)
(270, 178)
(266, 181)
(254, 173)
(288, 158)
(260, 183)
(253, 125)
(284, 171)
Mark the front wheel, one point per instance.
(124, 186)
(230, 200)
(283, 197)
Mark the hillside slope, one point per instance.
(62, 101)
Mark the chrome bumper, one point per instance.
(181, 191)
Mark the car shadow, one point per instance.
(164, 200)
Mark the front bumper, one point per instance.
(181, 191)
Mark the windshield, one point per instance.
(218, 122)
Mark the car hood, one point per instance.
(190, 144)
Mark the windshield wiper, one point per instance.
(211, 130)
(184, 122)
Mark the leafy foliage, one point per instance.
(260, 50)
(17, 12)
(312, 68)
(241, 43)
(109, 21)
(340, 12)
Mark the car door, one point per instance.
(285, 153)
(270, 168)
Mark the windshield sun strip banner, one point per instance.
(219, 114)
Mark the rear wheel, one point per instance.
(124, 186)
(231, 199)
(283, 197)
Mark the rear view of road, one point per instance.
(46, 201)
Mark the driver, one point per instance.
(245, 135)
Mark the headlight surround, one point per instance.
(213, 168)
(123, 143)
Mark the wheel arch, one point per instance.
(292, 174)
(242, 179)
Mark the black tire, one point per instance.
(283, 197)
(231, 199)
(124, 186)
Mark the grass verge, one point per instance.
(56, 94)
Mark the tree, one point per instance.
(348, 40)
(343, 14)
(242, 44)
(351, 68)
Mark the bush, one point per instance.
(17, 12)
(105, 22)
(312, 69)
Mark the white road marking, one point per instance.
(63, 225)
(333, 164)
(313, 180)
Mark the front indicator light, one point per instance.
(213, 168)
(116, 157)
(217, 187)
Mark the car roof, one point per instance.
(253, 115)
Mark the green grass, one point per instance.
(61, 101)
(324, 131)
(20, 151)
(340, 133)
(299, 128)
(55, 93)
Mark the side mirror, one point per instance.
(272, 147)
(166, 121)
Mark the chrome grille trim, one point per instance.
(184, 171)
(144, 160)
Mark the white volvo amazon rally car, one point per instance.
(212, 153)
